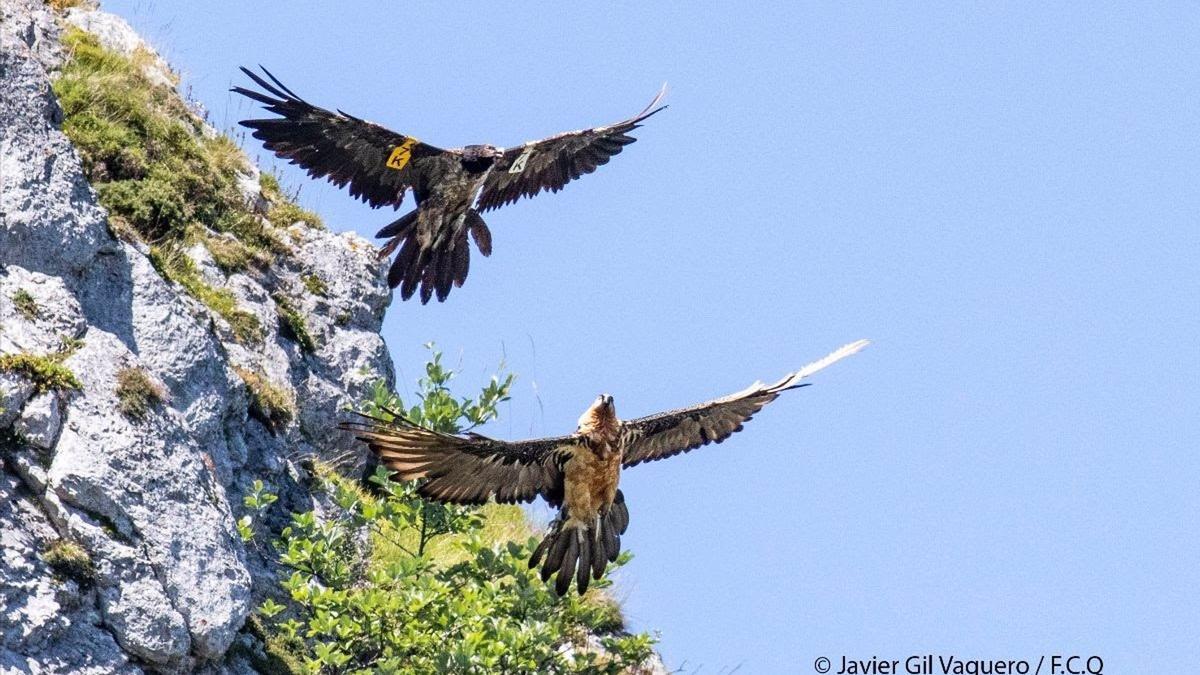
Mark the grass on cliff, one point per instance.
(167, 181)
(25, 305)
(46, 372)
(137, 394)
(274, 406)
(69, 560)
(315, 285)
(146, 152)
(292, 324)
(64, 5)
(285, 212)
(174, 265)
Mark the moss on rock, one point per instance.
(70, 561)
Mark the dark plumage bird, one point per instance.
(452, 187)
(578, 473)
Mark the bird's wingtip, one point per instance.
(835, 356)
(651, 109)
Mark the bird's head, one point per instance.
(480, 158)
(600, 418)
(474, 153)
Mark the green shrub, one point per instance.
(440, 588)
(153, 205)
(137, 394)
(280, 655)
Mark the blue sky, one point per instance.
(1004, 199)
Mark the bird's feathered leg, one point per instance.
(434, 251)
(579, 549)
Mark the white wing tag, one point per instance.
(519, 165)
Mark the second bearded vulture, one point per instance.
(451, 187)
(578, 473)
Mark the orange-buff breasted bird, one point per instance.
(578, 473)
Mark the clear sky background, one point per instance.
(1004, 199)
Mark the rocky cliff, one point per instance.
(134, 413)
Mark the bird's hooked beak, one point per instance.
(605, 402)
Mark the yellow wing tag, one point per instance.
(401, 154)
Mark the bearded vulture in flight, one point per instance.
(578, 473)
(452, 187)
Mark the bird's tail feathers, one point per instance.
(432, 266)
(579, 550)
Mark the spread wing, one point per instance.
(379, 165)
(660, 436)
(551, 163)
(468, 469)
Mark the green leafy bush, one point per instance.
(438, 588)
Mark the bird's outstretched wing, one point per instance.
(468, 469)
(551, 163)
(379, 165)
(667, 434)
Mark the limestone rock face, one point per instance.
(147, 504)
